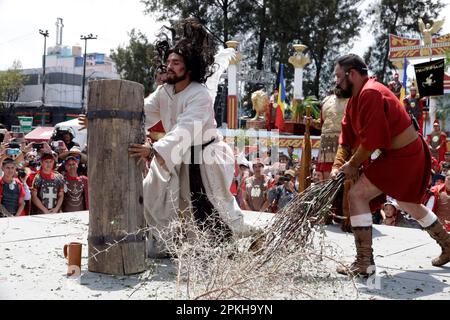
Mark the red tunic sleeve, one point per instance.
(347, 136)
(374, 132)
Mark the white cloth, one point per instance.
(428, 219)
(188, 119)
(361, 220)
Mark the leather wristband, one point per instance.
(341, 157)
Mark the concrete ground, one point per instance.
(32, 265)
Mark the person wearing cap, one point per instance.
(47, 193)
(389, 212)
(75, 151)
(414, 105)
(375, 120)
(282, 194)
(256, 188)
(437, 140)
(12, 191)
(76, 187)
(68, 137)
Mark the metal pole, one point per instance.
(85, 38)
(45, 34)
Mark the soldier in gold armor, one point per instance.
(333, 108)
(437, 141)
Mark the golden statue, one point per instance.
(428, 30)
(260, 102)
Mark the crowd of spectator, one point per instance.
(39, 177)
(264, 185)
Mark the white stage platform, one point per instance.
(32, 265)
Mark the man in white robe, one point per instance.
(186, 110)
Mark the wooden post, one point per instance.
(305, 163)
(116, 212)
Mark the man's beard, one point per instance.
(345, 93)
(175, 79)
(338, 92)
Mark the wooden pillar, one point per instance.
(116, 212)
(305, 162)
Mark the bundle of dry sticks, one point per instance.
(294, 224)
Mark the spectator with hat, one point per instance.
(47, 192)
(67, 137)
(75, 152)
(390, 212)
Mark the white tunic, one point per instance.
(188, 119)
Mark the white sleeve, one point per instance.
(151, 108)
(187, 131)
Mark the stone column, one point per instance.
(232, 109)
(299, 61)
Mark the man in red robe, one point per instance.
(375, 120)
(437, 140)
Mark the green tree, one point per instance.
(12, 82)
(135, 61)
(399, 17)
(222, 17)
(327, 27)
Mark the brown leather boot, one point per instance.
(364, 264)
(438, 233)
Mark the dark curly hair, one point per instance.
(194, 44)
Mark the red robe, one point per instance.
(158, 128)
(372, 119)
